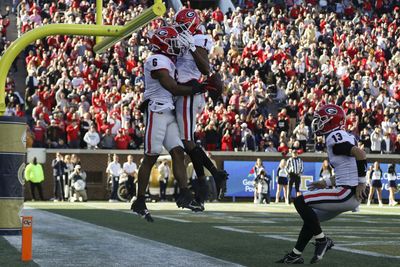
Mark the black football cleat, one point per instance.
(321, 247)
(139, 207)
(220, 180)
(186, 201)
(201, 194)
(291, 258)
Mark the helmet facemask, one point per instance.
(172, 45)
(318, 123)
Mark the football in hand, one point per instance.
(214, 85)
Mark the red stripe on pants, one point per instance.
(185, 124)
(327, 194)
(149, 133)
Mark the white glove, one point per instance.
(187, 40)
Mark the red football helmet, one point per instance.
(327, 119)
(187, 19)
(165, 40)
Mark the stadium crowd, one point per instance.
(279, 60)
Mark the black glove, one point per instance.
(196, 86)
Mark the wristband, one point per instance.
(192, 48)
(361, 167)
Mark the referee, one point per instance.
(294, 168)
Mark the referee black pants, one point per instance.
(293, 179)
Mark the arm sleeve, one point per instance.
(342, 148)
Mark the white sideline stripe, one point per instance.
(62, 241)
(154, 216)
(340, 248)
(368, 243)
(171, 219)
(232, 229)
(383, 212)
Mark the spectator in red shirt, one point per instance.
(73, 140)
(226, 142)
(121, 140)
(218, 15)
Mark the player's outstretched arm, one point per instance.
(162, 75)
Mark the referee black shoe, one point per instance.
(321, 247)
(139, 207)
(186, 201)
(291, 258)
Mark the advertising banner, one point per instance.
(241, 177)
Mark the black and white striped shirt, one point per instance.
(295, 165)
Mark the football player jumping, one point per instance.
(191, 66)
(322, 202)
(161, 127)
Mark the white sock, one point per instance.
(295, 251)
(321, 235)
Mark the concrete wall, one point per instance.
(94, 162)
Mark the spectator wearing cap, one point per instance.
(78, 182)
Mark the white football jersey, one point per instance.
(153, 89)
(187, 68)
(345, 166)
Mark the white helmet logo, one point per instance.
(190, 14)
(162, 32)
(331, 111)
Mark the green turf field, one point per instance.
(249, 234)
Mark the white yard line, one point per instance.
(63, 241)
(340, 248)
(233, 229)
